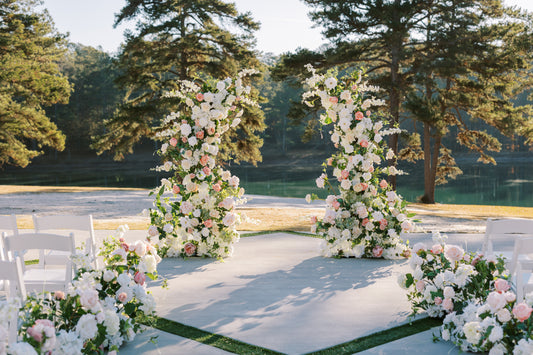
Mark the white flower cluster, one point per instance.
(83, 314)
(366, 218)
(498, 326)
(194, 210)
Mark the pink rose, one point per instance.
(345, 174)
(122, 297)
(206, 170)
(333, 99)
(363, 143)
(501, 285)
(204, 159)
(152, 231)
(35, 333)
(208, 223)
(200, 134)
(522, 311)
(59, 295)
(217, 187)
(336, 204)
(173, 141)
(139, 278)
(476, 259)
(438, 300)
(436, 249)
(509, 297)
(189, 249)
(377, 251)
(447, 304)
(329, 161)
(313, 219)
(176, 189)
(234, 181)
(406, 253)
(359, 115)
(365, 222)
(383, 184)
(368, 113)
(364, 186)
(229, 219)
(200, 96)
(454, 253)
(420, 286)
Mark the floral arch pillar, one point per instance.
(194, 211)
(366, 218)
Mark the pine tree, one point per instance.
(29, 80)
(179, 40)
(475, 58)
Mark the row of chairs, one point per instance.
(54, 270)
(520, 257)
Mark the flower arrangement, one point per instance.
(194, 212)
(499, 325)
(366, 218)
(472, 292)
(446, 279)
(99, 311)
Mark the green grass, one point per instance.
(31, 262)
(380, 338)
(204, 337)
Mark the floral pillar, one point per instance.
(194, 211)
(366, 217)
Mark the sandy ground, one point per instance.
(112, 207)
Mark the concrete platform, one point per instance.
(278, 293)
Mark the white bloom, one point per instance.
(472, 331)
(68, 343)
(111, 322)
(524, 347)
(21, 349)
(124, 279)
(445, 334)
(89, 299)
(87, 327)
(448, 291)
(185, 129)
(330, 83)
(149, 264)
(503, 315)
(498, 349)
(496, 334)
(168, 228)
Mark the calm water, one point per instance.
(508, 184)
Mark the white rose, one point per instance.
(472, 331)
(330, 83)
(124, 279)
(168, 228)
(185, 129)
(503, 315)
(89, 299)
(449, 292)
(111, 322)
(149, 263)
(496, 334)
(87, 327)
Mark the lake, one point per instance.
(509, 183)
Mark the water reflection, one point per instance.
(504, 184)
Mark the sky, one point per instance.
(285, 24)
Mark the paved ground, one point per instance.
(275, 292)
(278, 293)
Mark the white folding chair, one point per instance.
(505, 232)
(11, 273)
(61, 223)
(524, 278)
(8, 224)
(46, 278)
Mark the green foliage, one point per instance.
(179, 40)
(91, 73)
(29, 80)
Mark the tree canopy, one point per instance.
(179, 40)
(29, 80)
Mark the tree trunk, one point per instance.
(395, 91)
(431, 160)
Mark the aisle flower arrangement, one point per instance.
(499, 325)
(445, 278)
(473, 293)
(194, 210)
(366, 218)
(98, 312)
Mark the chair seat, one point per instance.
(44, 279)
(57, 257)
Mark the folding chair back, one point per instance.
(68, 223)
(524, 279)
(8, 224)
(45, 278)
(505, 231)
(11, 273)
